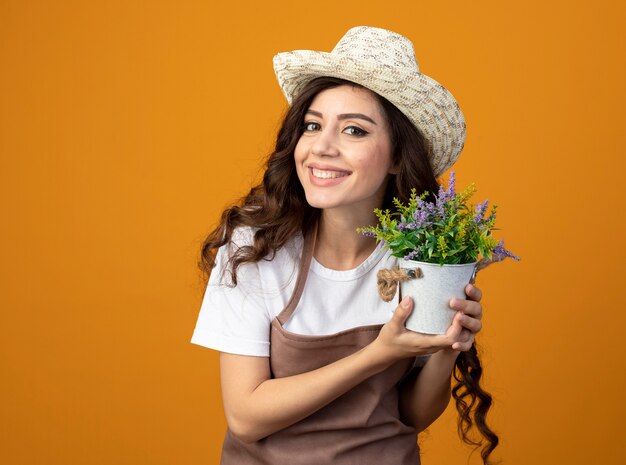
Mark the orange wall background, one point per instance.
(127, 126)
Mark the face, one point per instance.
(343, 158)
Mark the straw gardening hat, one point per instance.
(384, 62)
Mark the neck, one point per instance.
(339, 246)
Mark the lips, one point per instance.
(328, 174)
(323, 171)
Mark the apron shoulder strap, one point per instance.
(308, 247)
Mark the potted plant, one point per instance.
(440, 246)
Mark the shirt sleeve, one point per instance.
(233, 319)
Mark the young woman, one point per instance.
(314, 368)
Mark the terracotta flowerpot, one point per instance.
(432, 293)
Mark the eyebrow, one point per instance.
(344, 116)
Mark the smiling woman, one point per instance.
(343, 158)
(313, 368)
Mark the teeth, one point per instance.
(324, 174)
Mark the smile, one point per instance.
(328, 174)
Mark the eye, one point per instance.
(355, 131)
(310, 126)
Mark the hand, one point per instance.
(395, 342)
(467, 322)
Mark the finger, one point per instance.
(473, 293)
(464, 346)
(402, 312)
(465, 342)
(454, 331)
(469, 307)
(472, 324)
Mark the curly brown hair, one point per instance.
(277, 210)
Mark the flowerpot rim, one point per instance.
(411, 262)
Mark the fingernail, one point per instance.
(406, 302)
(454, 303)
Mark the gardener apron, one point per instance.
(361, 427)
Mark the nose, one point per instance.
(325, 144)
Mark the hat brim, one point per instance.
(429, 105)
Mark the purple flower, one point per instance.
(481, 208)
(501, 253)
(450, 193)
(447, 195)
(407, 226)
(420, 207)
(412, 255)
(441, 200)
(368, 233)
(441, 194)
(422, 219)
(422, 213)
